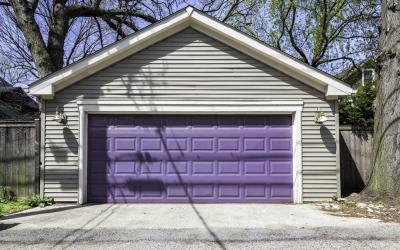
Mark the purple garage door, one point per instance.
(202, 159)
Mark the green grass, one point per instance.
(10, 207)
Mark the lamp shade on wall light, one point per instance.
(320, 118)
(60, 117)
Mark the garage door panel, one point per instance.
(192, 179)
(208, 159)
(149, 156)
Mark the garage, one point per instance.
(187, 158)
(189, 110)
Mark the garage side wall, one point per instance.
(189, 66)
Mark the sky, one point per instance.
(16, 64)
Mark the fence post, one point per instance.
(37, 156)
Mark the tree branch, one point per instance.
(231, 10)
(25, 18)
(292, 38)
(115, 27)
(86, 11)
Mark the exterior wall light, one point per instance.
(60, 117)
(320, 117)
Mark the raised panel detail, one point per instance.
(125, 144)
(228, 144)
(279, 191)
(203, 167)
(179, 144)
(280, 167)
(150, 144)
(254, 167)
(202, 144)
(255, 191)
(124, 167)
(228, 168)
(176, 158)
(151, 168)
(177, 168)
(125, 191)
(177, 191)
(229, 191)
(254, 144)
(203, 191)
(280, 144)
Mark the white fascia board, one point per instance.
(332, 91)
(110, 55)
(266, 54)
(46, 90)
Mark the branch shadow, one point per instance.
(188, 195)
(84, 232)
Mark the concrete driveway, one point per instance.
(202, 226)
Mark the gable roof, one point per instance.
(190, 17)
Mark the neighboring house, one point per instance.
(361, 73)
(15, 104)
(189, 107)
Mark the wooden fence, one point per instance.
(355, 158)
(20, 157)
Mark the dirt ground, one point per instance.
(364, 207)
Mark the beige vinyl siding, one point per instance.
(190, 67)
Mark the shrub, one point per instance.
(6, 194)
(36, 201)
(358, 110)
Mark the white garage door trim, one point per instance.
(236, 107)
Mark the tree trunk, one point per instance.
(385, 176)
(25, 16)
(57, 32)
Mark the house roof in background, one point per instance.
(190, 17)
(352, 74)
(16, 105)
(4, 83)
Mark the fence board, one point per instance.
(19, 157)
(355, 158)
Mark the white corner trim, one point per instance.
(42, 106)
(82, 153)
(297, 157)
(337, 140)
(294, 108)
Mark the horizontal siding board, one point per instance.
(319, 181)
(62, 195)
(190, 68)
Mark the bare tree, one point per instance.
(320, 32)
(46, 35)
